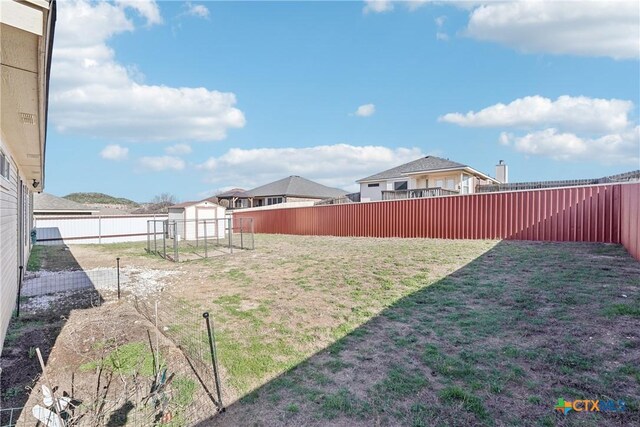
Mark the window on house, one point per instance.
(400, 185)
(450, 184)
(274, 200)
(465, 185)
(373, 185)
(5, 166)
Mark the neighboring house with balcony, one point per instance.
(428, 176)
(236, 198)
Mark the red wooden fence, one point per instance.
(599, 213)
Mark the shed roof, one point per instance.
(191, 203)
(51, 203)
(423, 164)
(296, 186)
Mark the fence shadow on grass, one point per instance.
(54, 284)
(515, 328)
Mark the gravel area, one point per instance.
(140, 282)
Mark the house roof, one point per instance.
(423, 164)
(296, 186)
(49, 202)
(191, 203)
(235, 192)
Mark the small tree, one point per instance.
(162, 201)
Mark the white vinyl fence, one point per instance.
(66, 230)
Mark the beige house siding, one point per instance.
(26, 43)
(450, 180)
(262, 201)
(15, 225)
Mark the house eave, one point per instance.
(431, 171)
(27, 43)
(461, 168)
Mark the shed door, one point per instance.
(207, 220)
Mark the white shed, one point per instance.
(197, 220)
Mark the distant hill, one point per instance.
(100, 199)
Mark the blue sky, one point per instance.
(195, 97)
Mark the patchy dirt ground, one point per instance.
(106, 359)
(359, 331)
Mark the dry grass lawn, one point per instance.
(364, 331)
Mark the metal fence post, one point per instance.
(214, 357)
(100, 229)
(21, 268)
(148, 238)
(175, 241)
(205, 239)
(155, 237)
(230, 236)
(241, 233)
(118, 271)
(165, 233)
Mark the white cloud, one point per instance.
(585, 28)
(615, 148)
(365, 110)
(567, 113)
(576, 27)
(377, 6)
(569, 128)
(162, 163)
(382, 6)
(198, 10)
(442, 36)
(337, 165)
(114, 152)
(146, 8)
(93, 94)
(178, 149)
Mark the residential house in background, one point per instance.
(428, 176)
(25, 58)
(287, 190)
(48, 204)
(235, 198)
(291, 189)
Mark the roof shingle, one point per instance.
(427, 163)
(49, 202)
(296, 186)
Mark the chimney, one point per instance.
(502, 172)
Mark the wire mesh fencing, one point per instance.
(192, 331)
(61, 289)
(187, 240)
(150, 362)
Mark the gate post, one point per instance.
(214, 358)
